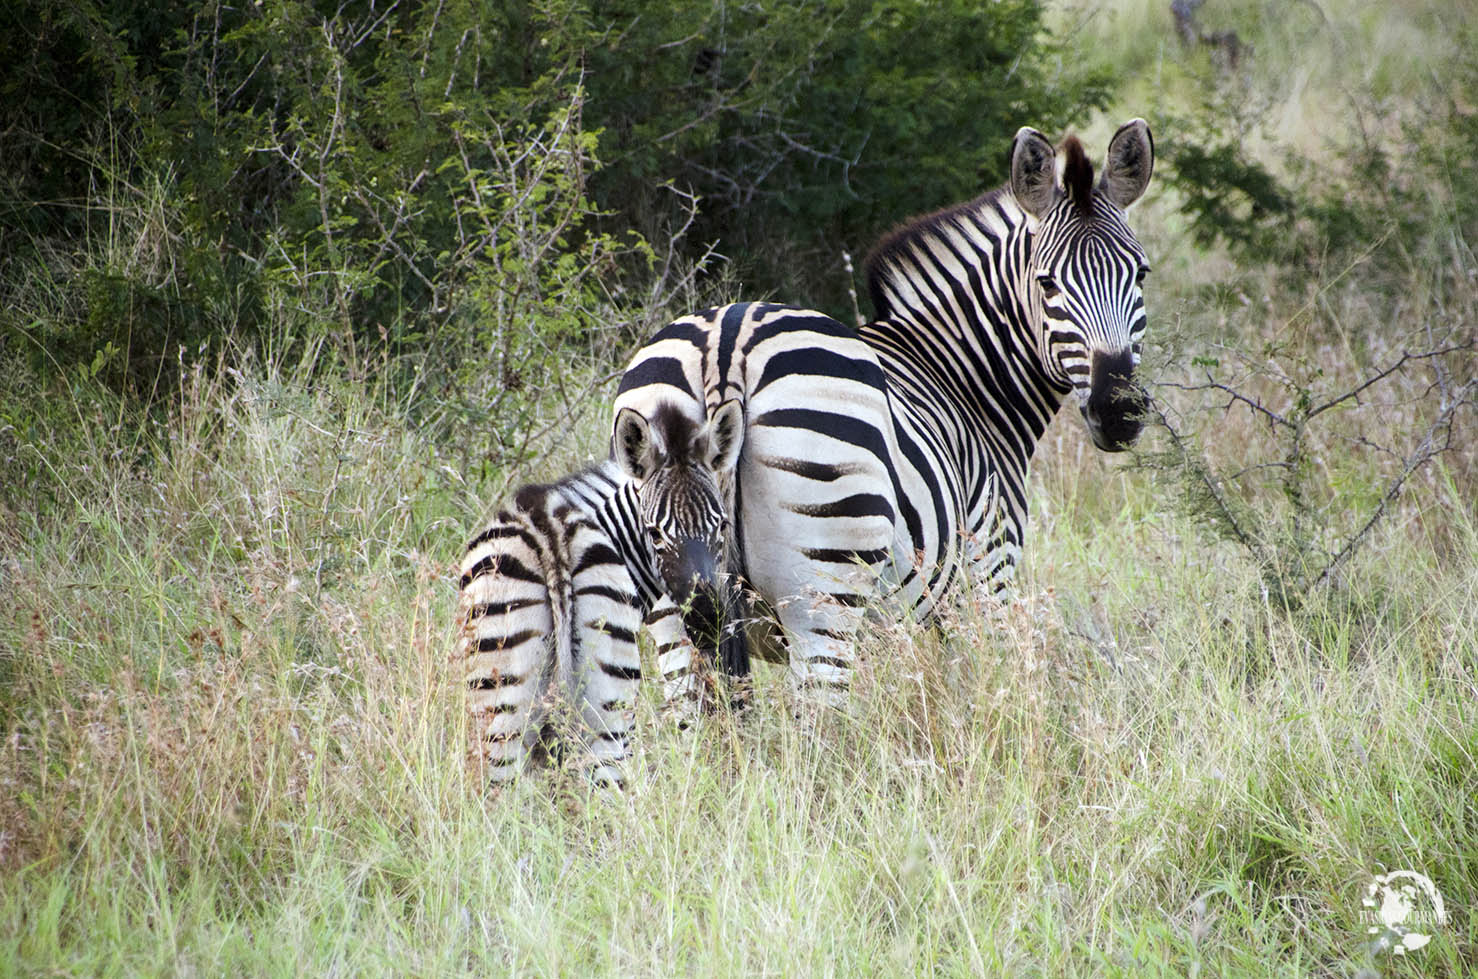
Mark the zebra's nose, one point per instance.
(1113, 405)
(696, 569)
(695, 586)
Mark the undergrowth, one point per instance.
(232, 733)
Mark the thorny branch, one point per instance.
(1225, 510)
(1436, 440)
(1255, 405)
(1379, 376)
(1206, 481)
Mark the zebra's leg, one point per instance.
(507, 644)
(820, 567)
(991, 553)
(681, 666)
(605, 664)
(821, 628)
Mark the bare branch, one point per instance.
(1234, 396)
(1203, 477)
(1379, 376)
(1436, 440)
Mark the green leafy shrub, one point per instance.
(338, 155)
(809, 129)
(402, 183)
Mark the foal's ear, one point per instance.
(725, 433)
(1131, 160)
(1034, 172)
(634, 445)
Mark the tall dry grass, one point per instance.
(232, 730)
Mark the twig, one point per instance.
(1379, 376)
(1203, 476)
(1427, 450)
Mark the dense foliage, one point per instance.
(388, 166)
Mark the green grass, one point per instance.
(234, 744)
(234, 737)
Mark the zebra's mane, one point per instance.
(883, 260)
(1077, 176)
(676, 430)
(889, 256)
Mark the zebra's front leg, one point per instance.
(683, 672)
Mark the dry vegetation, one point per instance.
(233, 732)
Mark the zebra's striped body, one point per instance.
(554, 590)
(815, 492)
(989, 315)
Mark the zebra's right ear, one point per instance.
(726, 436)
(1131, 160)
(633, 444)
(1033, 172)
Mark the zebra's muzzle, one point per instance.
(692, 580)
(693, 568)
(1114, 409)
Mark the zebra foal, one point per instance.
(891, 461)
(554, 589)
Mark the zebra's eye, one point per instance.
(1047, 284)
(1144, 270)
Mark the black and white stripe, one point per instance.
(815, 493)
(891, 461)
(554, 590)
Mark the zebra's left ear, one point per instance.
(1131, 160)
(725, 436)
(1034, 172)
(633, 444)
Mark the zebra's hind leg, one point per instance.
(823, 592)
(821, 633)
(605, 665)
(507, 647)
(608, 705)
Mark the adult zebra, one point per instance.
(892, 461)
(554, 589)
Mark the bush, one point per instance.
(385, 168)
(1355, 368)
(401, 183)
(809, 129)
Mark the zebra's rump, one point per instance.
(549, 614)
(815, 495)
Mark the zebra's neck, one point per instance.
(607, 495)
(956, 325)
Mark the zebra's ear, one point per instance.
(634, 445)
(725, 436)
(1131, 160)
(1033, 172)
